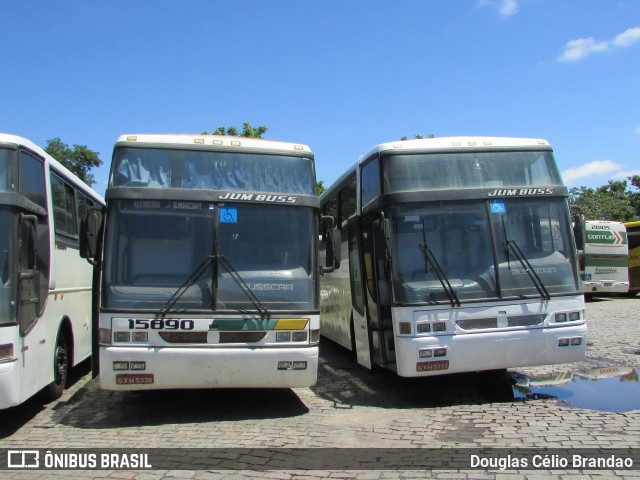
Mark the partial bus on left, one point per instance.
(45, 285)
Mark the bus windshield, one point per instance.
(158, 245)
(469, 242)
(210, 170)
(441, 171)
(7, 266)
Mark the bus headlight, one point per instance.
(574, 316)
(283, 336)
(299, 336)
(140, 336)
(121, 336)
(560, 317)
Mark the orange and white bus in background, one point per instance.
(45, 285)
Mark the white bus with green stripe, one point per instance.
(605, 258)
(210, 264)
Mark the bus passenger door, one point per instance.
(379, 298)
(360, 335)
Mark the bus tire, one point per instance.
(54, 390)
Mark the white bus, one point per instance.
(210, 266)
(458, 256)
(45, 286)
(604, 258)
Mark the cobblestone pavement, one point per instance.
(351, 407)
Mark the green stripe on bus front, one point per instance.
(238, 324)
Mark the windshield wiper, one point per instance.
(521, 257)
(444, 281)
(260, 308)
(535, 278)
(180, 291)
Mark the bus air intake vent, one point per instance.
(242, 337)
(184, 337)
(526, 320)
(477, 323)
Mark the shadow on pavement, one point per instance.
(14, 418)
(133, 409)
(344, 382)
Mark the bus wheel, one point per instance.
(54, 390)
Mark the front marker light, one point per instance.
(6, 351)
(104, 336)
(576, 341)
(405, 328)
(563, 342)
(138, 365)
(439, 327)
(315, 336)
(301, 365)
(440, 352)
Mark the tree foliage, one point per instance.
(619, 200)
(247, 131)
(80, 160)
(320, 187)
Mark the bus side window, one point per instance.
(34, 250)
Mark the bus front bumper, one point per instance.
(489, 350)
(176, 368)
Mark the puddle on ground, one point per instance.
(607, 389)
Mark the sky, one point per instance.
(338, 75)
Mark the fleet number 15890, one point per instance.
(160, 324)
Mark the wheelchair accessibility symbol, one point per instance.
(497, 206)
(228, 215)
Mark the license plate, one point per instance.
(432, 366)
(134, 378)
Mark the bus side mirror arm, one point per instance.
(89, 230)
(578, 227)
(333, 238)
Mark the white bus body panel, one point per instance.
(33, 353)
(490, 349)
(205, 365)
(192, 367)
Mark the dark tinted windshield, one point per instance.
(156, 245)
(462, 236)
